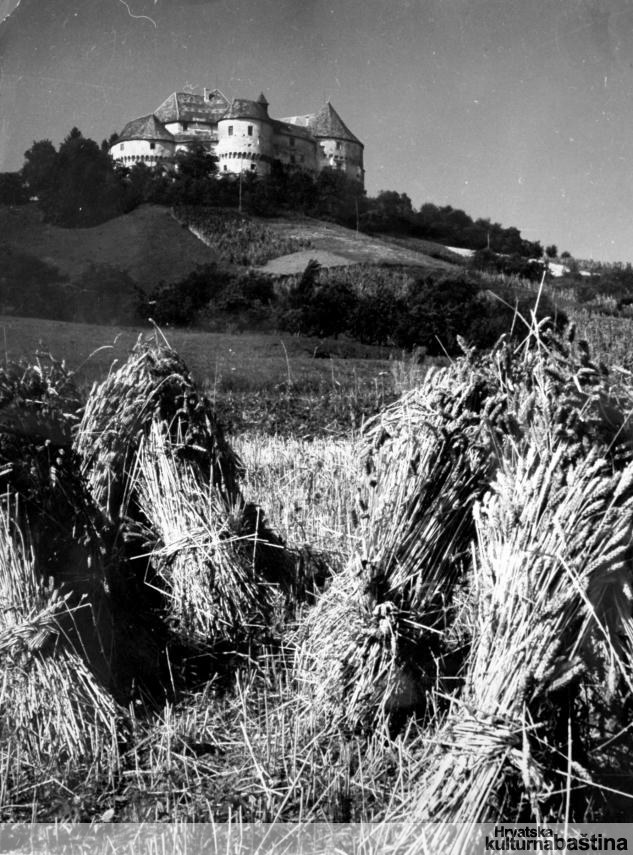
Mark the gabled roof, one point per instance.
(145, 128)
(242, 108)
(292, 129)
(189, 107)
(327, 123)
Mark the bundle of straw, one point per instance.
(56, 721)
(373, 642)
(550, 538)
(203, 562)
(160, 467)
(387, 631)
(39, 468)
(154, 384)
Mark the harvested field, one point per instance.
(429, 619)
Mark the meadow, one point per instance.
(380, 590)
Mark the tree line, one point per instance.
(79, 185)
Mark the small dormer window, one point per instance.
(250, 130)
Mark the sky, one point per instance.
(516, 110)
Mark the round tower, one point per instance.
(144, 140)
(245, 135)
(339, 147)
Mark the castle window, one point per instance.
(230, 130)
(250, 130)
(226, 169)
(185, 125)
(292, 142)
(253, 166)
(152, 145)
(122, 146)
(338, 146)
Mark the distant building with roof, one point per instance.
(241, 135)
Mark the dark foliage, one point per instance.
(105, 295)
(178, 304)
(485, 260)
(12, 189)
(437, 311)
(32, 288)
(75, 186)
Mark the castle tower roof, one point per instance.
(242, 108)
(145, 128)
(262, 100)
(326, 123)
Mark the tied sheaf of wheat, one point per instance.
(55, 713)
(492, 556)
(480, 621)
(159, 466)
(204, 565)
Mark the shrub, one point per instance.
(487, 261)
(377, 315)
(107, 295)
(320, 309)
(437, 312)
(178, 304)
(31, 287)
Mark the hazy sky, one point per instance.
(518, 110)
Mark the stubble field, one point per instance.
(422, 616)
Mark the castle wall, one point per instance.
(149, 152)
(342, 154)
(295, 151)
(242, 150)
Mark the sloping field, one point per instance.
(336, 246)
(151, 246)
(146, 243)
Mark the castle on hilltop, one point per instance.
(241, 135)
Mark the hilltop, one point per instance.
(151, 246)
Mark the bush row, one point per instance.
(374, 306)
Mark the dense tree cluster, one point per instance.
(433, 313)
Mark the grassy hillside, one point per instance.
(151, 246)
(335, 246)
(147, 243)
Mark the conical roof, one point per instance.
(262, 100)
(327, 123)
(145, 128)
(242, 108)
